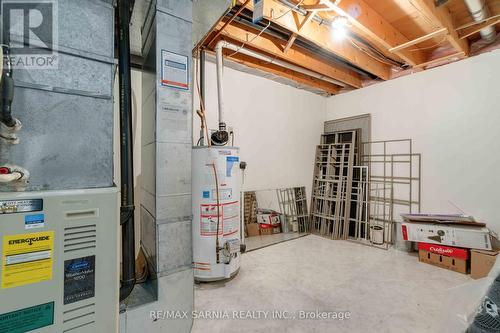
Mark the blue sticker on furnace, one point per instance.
(34, 221)
(230, 160)
(206, 194)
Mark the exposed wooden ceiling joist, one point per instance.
(419, 39)
(471, 30)
(252, 62)
(321, 36)
(305, 21)
(376, 27)
(239, 33)
(441, 16)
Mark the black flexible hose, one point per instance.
(7, 88)
(126, 153)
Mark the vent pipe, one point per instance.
(126, 152)
(479, 12)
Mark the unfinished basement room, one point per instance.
(277, 166)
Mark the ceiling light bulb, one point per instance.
(339, 27)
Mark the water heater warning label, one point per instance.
(27, 319)
(27, 258)
(228, 219)
(79, 279)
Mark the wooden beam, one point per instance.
(262, 65)
(442, 17)
(375, 27)
(456, 54)
(322, 37)
(419, 40)
(290, 42)
(273, 46)
(292, 39)
(469, 31)
(318, 7)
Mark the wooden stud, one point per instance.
(456, 54)
(419, 40)
(307, 19)
(239, 34)
(469, 31)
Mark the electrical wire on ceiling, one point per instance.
(430, 47)
(374, 53)
(267, 26)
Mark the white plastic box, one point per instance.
(453, 235)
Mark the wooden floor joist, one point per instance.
(300, 78)
(441, 16)
(419, 39)
(375, 27)
(321, 36)
(469, 31)
(239, 34)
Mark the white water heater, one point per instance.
(216, 212)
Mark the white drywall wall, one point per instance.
(277, 127)
(452, 113)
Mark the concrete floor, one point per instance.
(256, 242)
(384, 291)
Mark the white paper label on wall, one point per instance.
(174, 70)
(258, 10)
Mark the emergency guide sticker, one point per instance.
(27, 258)
(174, 70)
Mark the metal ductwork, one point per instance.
(479, 12)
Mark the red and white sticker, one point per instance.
(227, 215)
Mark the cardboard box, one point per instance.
(454, 264)
(264, 230)
(452, 235)
(447, 251)
(271, 218)
(253, 229)
(482, 262)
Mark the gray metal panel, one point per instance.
(67, 113)
(75, 75)
(205, 15)
(87, 26)
(66, 140)
(173, 254)
(180, 9)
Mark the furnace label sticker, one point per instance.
(34, 221)
(79, 279)
(27, 319)
(27, 258)
(174, 70)
(20, 206)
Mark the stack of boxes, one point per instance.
(454, 242)
(269, 221)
